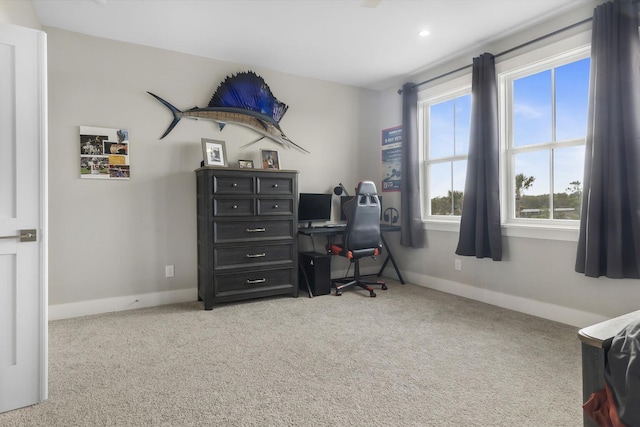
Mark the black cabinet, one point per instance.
(247, 234)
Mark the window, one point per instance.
(543, 101)
(446, 137)
(546, 122)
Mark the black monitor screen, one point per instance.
(343, 199)
(314, 207)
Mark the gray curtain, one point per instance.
(609, 242)
(480, 233)
(411, 234)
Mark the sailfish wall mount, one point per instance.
(242, 99)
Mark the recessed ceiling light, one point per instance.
(424, 33)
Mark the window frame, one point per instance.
(434, 95)
(508, 152)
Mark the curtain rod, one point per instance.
(520, 46)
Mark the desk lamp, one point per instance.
(339, 189)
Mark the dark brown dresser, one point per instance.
(247, 234)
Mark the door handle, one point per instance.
(28, 235)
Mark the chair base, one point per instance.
(364, 284)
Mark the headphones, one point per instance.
(391, 215)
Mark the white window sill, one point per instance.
(445, 224)
(531, 231)
(542, 231)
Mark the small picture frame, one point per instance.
(270, 159)
(215, 152)
(245, 164)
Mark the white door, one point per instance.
(23, 267)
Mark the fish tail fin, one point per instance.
(174, 111)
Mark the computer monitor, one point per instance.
(314, 207)
(343, 199)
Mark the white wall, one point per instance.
(536, 275)
(19, 13)
(110, 241)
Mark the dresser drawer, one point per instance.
(275, 185)
(275, 206)
(253, 281)
(248, 231)
(233, 207)
(233, 185)
(253, 255)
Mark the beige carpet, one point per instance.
(410, 357)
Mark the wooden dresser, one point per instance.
(247, 234)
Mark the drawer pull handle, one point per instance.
(234, 207)
(275, 185)
(275, 206)
(255, 230)
(262, 255)
(234, 184)
(254, 282)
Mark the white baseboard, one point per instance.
(130, 302)
(545, 310)
(557, 313)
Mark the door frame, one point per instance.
(43, 130)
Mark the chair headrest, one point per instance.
(366, 187)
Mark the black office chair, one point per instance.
(361, 237)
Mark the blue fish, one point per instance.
(242, 99)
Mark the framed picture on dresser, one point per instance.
(245, 164)
(215, 152)
(270, 159)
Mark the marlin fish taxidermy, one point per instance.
(243, 99)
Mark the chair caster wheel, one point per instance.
(338, 293)
(372, 294)
(384, 287)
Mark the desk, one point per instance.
(331, 232)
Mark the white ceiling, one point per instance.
(366, 43)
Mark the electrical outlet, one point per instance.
(457, 264)
(168, 271)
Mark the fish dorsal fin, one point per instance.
(248, 91)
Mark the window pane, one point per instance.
(441, 129)
(440, 188)
(532, 185)
(463, 124)
(567, 182)
(532, 109)
(459, 176)
(572, 91)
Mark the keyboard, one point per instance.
(335, 225)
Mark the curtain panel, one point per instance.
(411, 234)
(609, 241)
(480, 233)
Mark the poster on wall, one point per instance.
(104, 153)
(391, 158)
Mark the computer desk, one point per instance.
(330, 232)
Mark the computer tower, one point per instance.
(315, 270)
